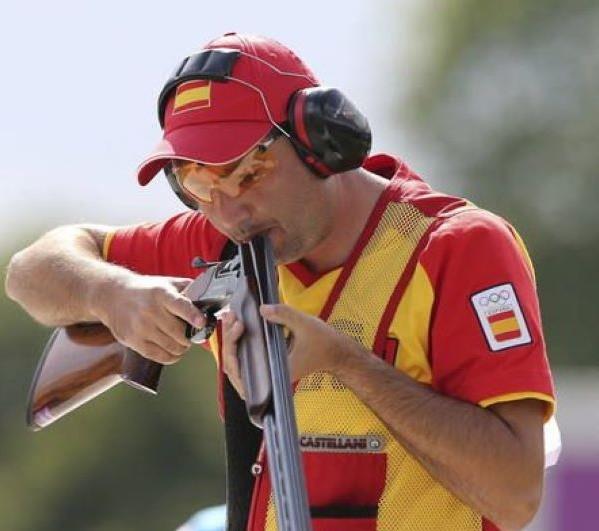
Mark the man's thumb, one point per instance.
(279, 313)
(179, 282)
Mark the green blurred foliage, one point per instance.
(124, 461)
(503, 95)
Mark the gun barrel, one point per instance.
(279, 422)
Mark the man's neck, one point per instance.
(353, 197)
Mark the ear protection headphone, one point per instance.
(328, 132)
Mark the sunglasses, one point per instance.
(194, 182)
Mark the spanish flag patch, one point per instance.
(500, 317)
(192, 95)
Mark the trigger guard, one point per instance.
(202, 334)
(199, 335)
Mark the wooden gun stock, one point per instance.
(80, 362)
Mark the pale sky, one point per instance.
(80, 82)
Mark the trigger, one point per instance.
(199, 335)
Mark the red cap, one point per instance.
(216, 122)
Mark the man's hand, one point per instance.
(315, 346)
(148, 314)
(232, 330)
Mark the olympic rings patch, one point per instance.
(495, 297)
(500, 317)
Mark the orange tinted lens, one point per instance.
(233, 179)
(195, 179)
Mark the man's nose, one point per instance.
(233, 212)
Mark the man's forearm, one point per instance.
(58, 277)
(468, 449)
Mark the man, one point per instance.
(422, 379)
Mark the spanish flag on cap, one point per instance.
(228, 117)
(192, 95)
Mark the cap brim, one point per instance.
(208, 143)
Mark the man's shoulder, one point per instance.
(472, 236)
(473, 223)
(458, 216)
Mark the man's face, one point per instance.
(289, 205)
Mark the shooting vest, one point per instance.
(358, 476)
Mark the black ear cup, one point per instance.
(330, 134)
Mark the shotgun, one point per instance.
(84, 360)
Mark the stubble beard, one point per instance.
(298, 242)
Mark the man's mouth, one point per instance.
(246, 235)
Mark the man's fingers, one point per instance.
(182, 307)
(175, 328)
(281, 314)
(166, 342)
(231, 369)
(156, 353)
(232, 330)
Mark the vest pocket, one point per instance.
(344, 489)
(346, 518)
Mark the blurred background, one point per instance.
(494, 101)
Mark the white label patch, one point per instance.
(500, 317)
